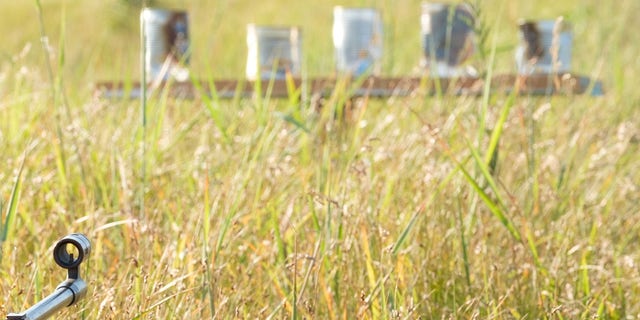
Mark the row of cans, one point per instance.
(448, 33)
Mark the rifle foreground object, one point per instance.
(68, 292)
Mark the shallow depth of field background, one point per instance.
(256, 208)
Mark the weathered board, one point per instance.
(565, 84)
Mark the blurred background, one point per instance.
(100, 41)
(203, 210)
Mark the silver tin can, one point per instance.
(166, 44)
(357, 39)
(273, 52)
(545, 47)
(448, 38)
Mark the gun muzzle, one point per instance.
(68, 253)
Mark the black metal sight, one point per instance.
(68, 253)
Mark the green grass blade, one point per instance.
(405, 232)
(291, 118)
(486, 174)
(497, 130)
(143, 117)
(492, 205)
(12, 207)
(293, 93)
(212, 103)
(486, 95)
(465, 246)
(534, 251)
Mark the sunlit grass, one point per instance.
(424, 206)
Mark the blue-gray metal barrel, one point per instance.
(67, 293)
(68, 253)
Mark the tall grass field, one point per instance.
(418, 207)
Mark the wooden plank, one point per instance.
(566, 84)
(543, 84)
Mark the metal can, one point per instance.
(273, 52)
(448, 38)
(545, 47)
(166, 43)
(357, 39)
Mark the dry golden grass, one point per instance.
(247, 215)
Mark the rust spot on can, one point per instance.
(531, 40)
(545, 47)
